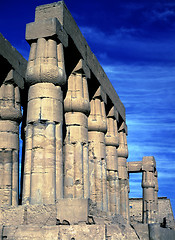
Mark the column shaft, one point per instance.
(43, 168)
(148, 197)
(123, 173)
(76, 106)
(148, 185)
(10, 116)
(111, 139)
(97, 154)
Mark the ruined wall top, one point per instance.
(58, 12)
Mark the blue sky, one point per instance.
(134, 41)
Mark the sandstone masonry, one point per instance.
(75, 174)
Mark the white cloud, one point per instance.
(162, 15)
(97, 36)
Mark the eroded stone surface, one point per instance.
(74, 158)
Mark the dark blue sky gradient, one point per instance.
(134, 41)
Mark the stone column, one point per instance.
(77, 108)
(123, 172)
(43, 167)
(97, 126)
(10, 117)
(148, 186)
(111, 139)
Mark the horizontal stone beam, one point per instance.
(46, 28)
(59, 10)
(16, 61)
(135, 167)
(147, 164)
(14, 76)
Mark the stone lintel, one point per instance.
(148, 164)
(15, 60)
(60, 11)
(101, 93)
(13, 76)
(134, 167)
(72, 210)
(46, 28)
(82, 68)
(113, 113)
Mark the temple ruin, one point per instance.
(75, 174)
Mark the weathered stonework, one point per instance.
(112, 143)
(164, 211)
(77, 108)
(75, 174)
(123, 172)
(150, 187)
(97, 126)
(12, 80)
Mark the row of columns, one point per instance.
(85, 162)
(73, 147)
(70, 150)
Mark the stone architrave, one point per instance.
(112, 143)
(10, 117)
(123, 171)
(148, 185)
(97, 126)
(77, 108)
(43, 167)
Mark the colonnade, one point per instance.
(75, 144)
(72, 148)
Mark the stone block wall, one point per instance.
(164, 211)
